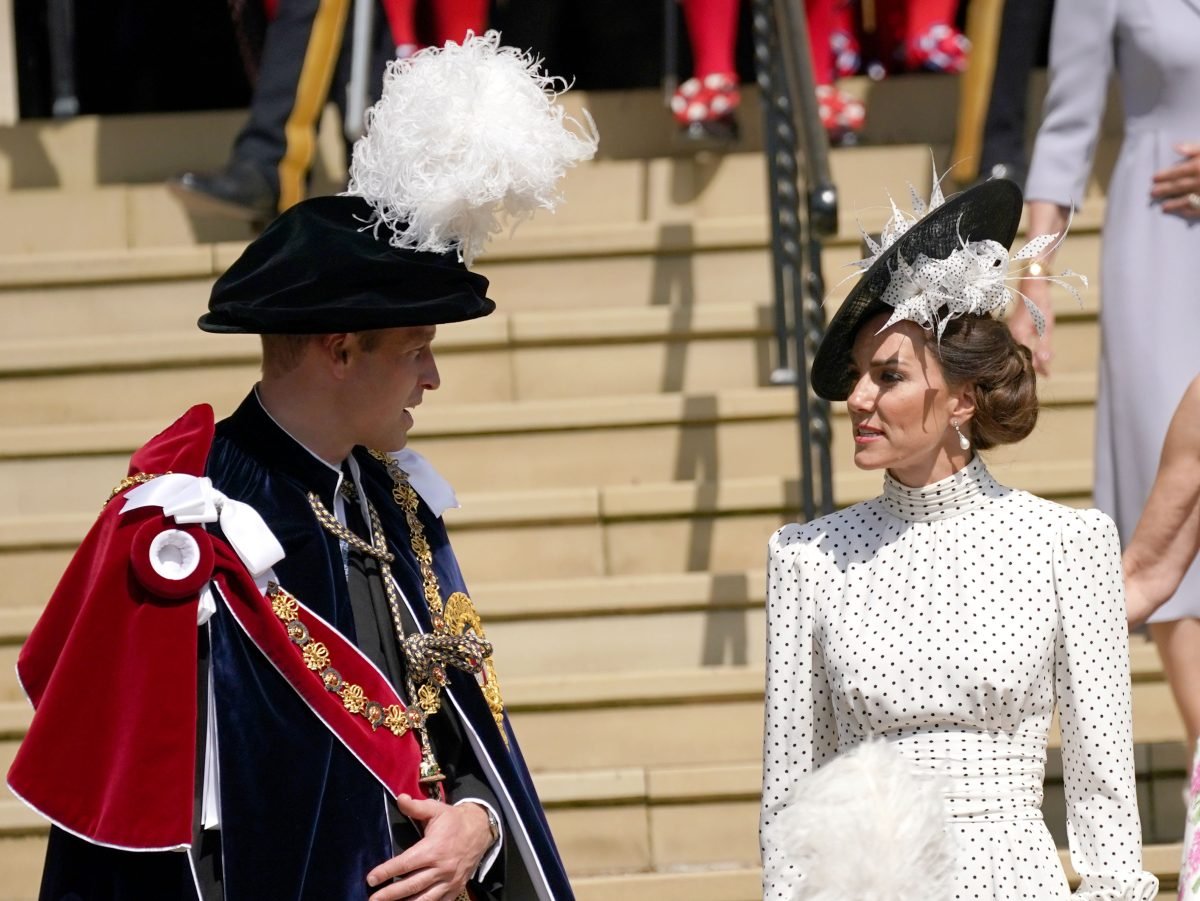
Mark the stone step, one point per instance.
(518, 603)
(584, 532)
(619, 201)
(131, 207)
(505, 357)
(84, 152)
(631, 802)
(652, 189)
(593, 626)
(647, 844)
(634, 821)
(154, 290)
(524, 356)
(88, 151)
(662, 718)
(712, 259)
(52, 469)
(145, 216)
(713, 619)
(702, 884)
(148, 292)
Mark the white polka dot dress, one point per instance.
(948, 620)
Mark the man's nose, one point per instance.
(430, 377)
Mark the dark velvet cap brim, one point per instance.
(988, 211)
(317, 270)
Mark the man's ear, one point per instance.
(337, 350)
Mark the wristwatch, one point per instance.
(493, 823)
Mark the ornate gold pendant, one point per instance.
(430, 772)
(461, 616)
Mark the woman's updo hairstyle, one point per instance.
(981, 351)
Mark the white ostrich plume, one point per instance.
(975, 278)
(866, 826)
(464, 137)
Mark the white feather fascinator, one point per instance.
(866, 826)
(465, 138)
(977, 277)
(947, 258)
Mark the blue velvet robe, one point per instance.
(301, 818)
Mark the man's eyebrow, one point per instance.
(426, 334)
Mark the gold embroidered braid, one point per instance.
(129, 482)
(316, 657)
(461, 616)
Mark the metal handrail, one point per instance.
(785, 79)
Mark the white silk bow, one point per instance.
(193, 499)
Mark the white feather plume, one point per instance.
(464, 137)
(973, 279)
(867, 826)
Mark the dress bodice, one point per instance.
(1158, 66)
(949, 620)
(918, 646)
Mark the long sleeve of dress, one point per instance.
(800, 734)
(1091, 679)
(1081, 61)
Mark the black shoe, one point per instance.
(239, 191)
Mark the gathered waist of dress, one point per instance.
(987, 777)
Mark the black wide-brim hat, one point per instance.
(990, 211)
(319, 269)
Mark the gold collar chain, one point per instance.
(427, 695)
(378, 546)
(406, 497)
(458, 616)
(130, 481)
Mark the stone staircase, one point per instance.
(620, 456)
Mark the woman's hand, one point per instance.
(1178, 187)
(1138, 606)
(1022, 326)
(1045, 218)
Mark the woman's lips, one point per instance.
(865, 434)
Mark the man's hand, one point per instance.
(438, 866)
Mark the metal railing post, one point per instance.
(784, 73)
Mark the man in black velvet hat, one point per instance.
(341, 732)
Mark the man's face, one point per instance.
(383, 383)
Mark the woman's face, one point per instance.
(901, 407)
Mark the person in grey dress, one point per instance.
(1150, 269)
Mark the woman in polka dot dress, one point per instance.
(951, 614)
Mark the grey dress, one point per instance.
(1150, 270)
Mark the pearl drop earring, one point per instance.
(963, 441)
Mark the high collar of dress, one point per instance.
(960, 493)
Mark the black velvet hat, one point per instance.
(988, 211)
(319, 268)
